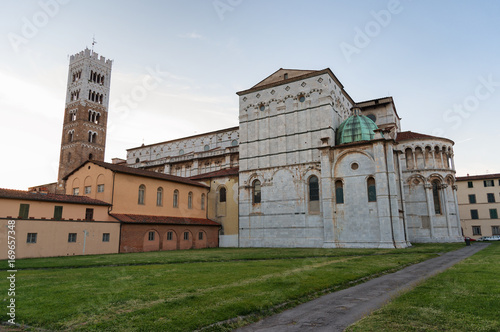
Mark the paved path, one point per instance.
(336, 311)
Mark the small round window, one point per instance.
(354, 166)
(372, 117)
(302, 98)
(262, 108)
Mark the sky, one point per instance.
(438, 60)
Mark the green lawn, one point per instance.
(465, 297)
(189, 290)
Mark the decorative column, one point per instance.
(430, 207)
(434, 158)
(327, 189)
(444, 190)
(414, 159)
(442, 161)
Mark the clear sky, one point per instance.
(439, 60)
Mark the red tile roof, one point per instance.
(409, 135)
(38, 196)
(139, 172)
(217, 174)
(147, 219)
(478, 177)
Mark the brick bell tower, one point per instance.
(85, 113)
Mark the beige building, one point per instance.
(48, 225)
(479, 202)
(157, 211)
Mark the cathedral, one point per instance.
(310, 167)
(307, 166)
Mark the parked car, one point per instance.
(489, 238)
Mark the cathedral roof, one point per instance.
(285, 76)
(356, 128)
(410, 135)
(282, 74)
(216, 174)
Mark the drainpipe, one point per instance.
(85, 233)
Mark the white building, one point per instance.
(317, 169)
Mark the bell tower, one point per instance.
(85, 113)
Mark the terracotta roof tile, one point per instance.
(216, 174)
(478, 177)
(38, 196)
(409, 135)
(140, 172)
(147, 219)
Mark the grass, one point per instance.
(465, 297)
(190, 290)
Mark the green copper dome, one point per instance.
(356, 128)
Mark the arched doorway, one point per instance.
(170, 240)
(186, 240)
(151, 241)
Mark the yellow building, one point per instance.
(47, 225)
(157, 211)
(223, 203)
(479, 203)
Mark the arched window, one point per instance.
(256, 198)
(339, 192)
(71, 135)
(142, 193)
(313, 194)
(222, 195)
(206, 147)
(159, 196)
(234, 142)
(313, 188)
(69, 156)
(190, 200)
(91, 156)
(203, 201)
(372, 191)
(435, 196)
(137, 160)
(176, 198)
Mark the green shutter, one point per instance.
(58, 212)
(24, 211)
